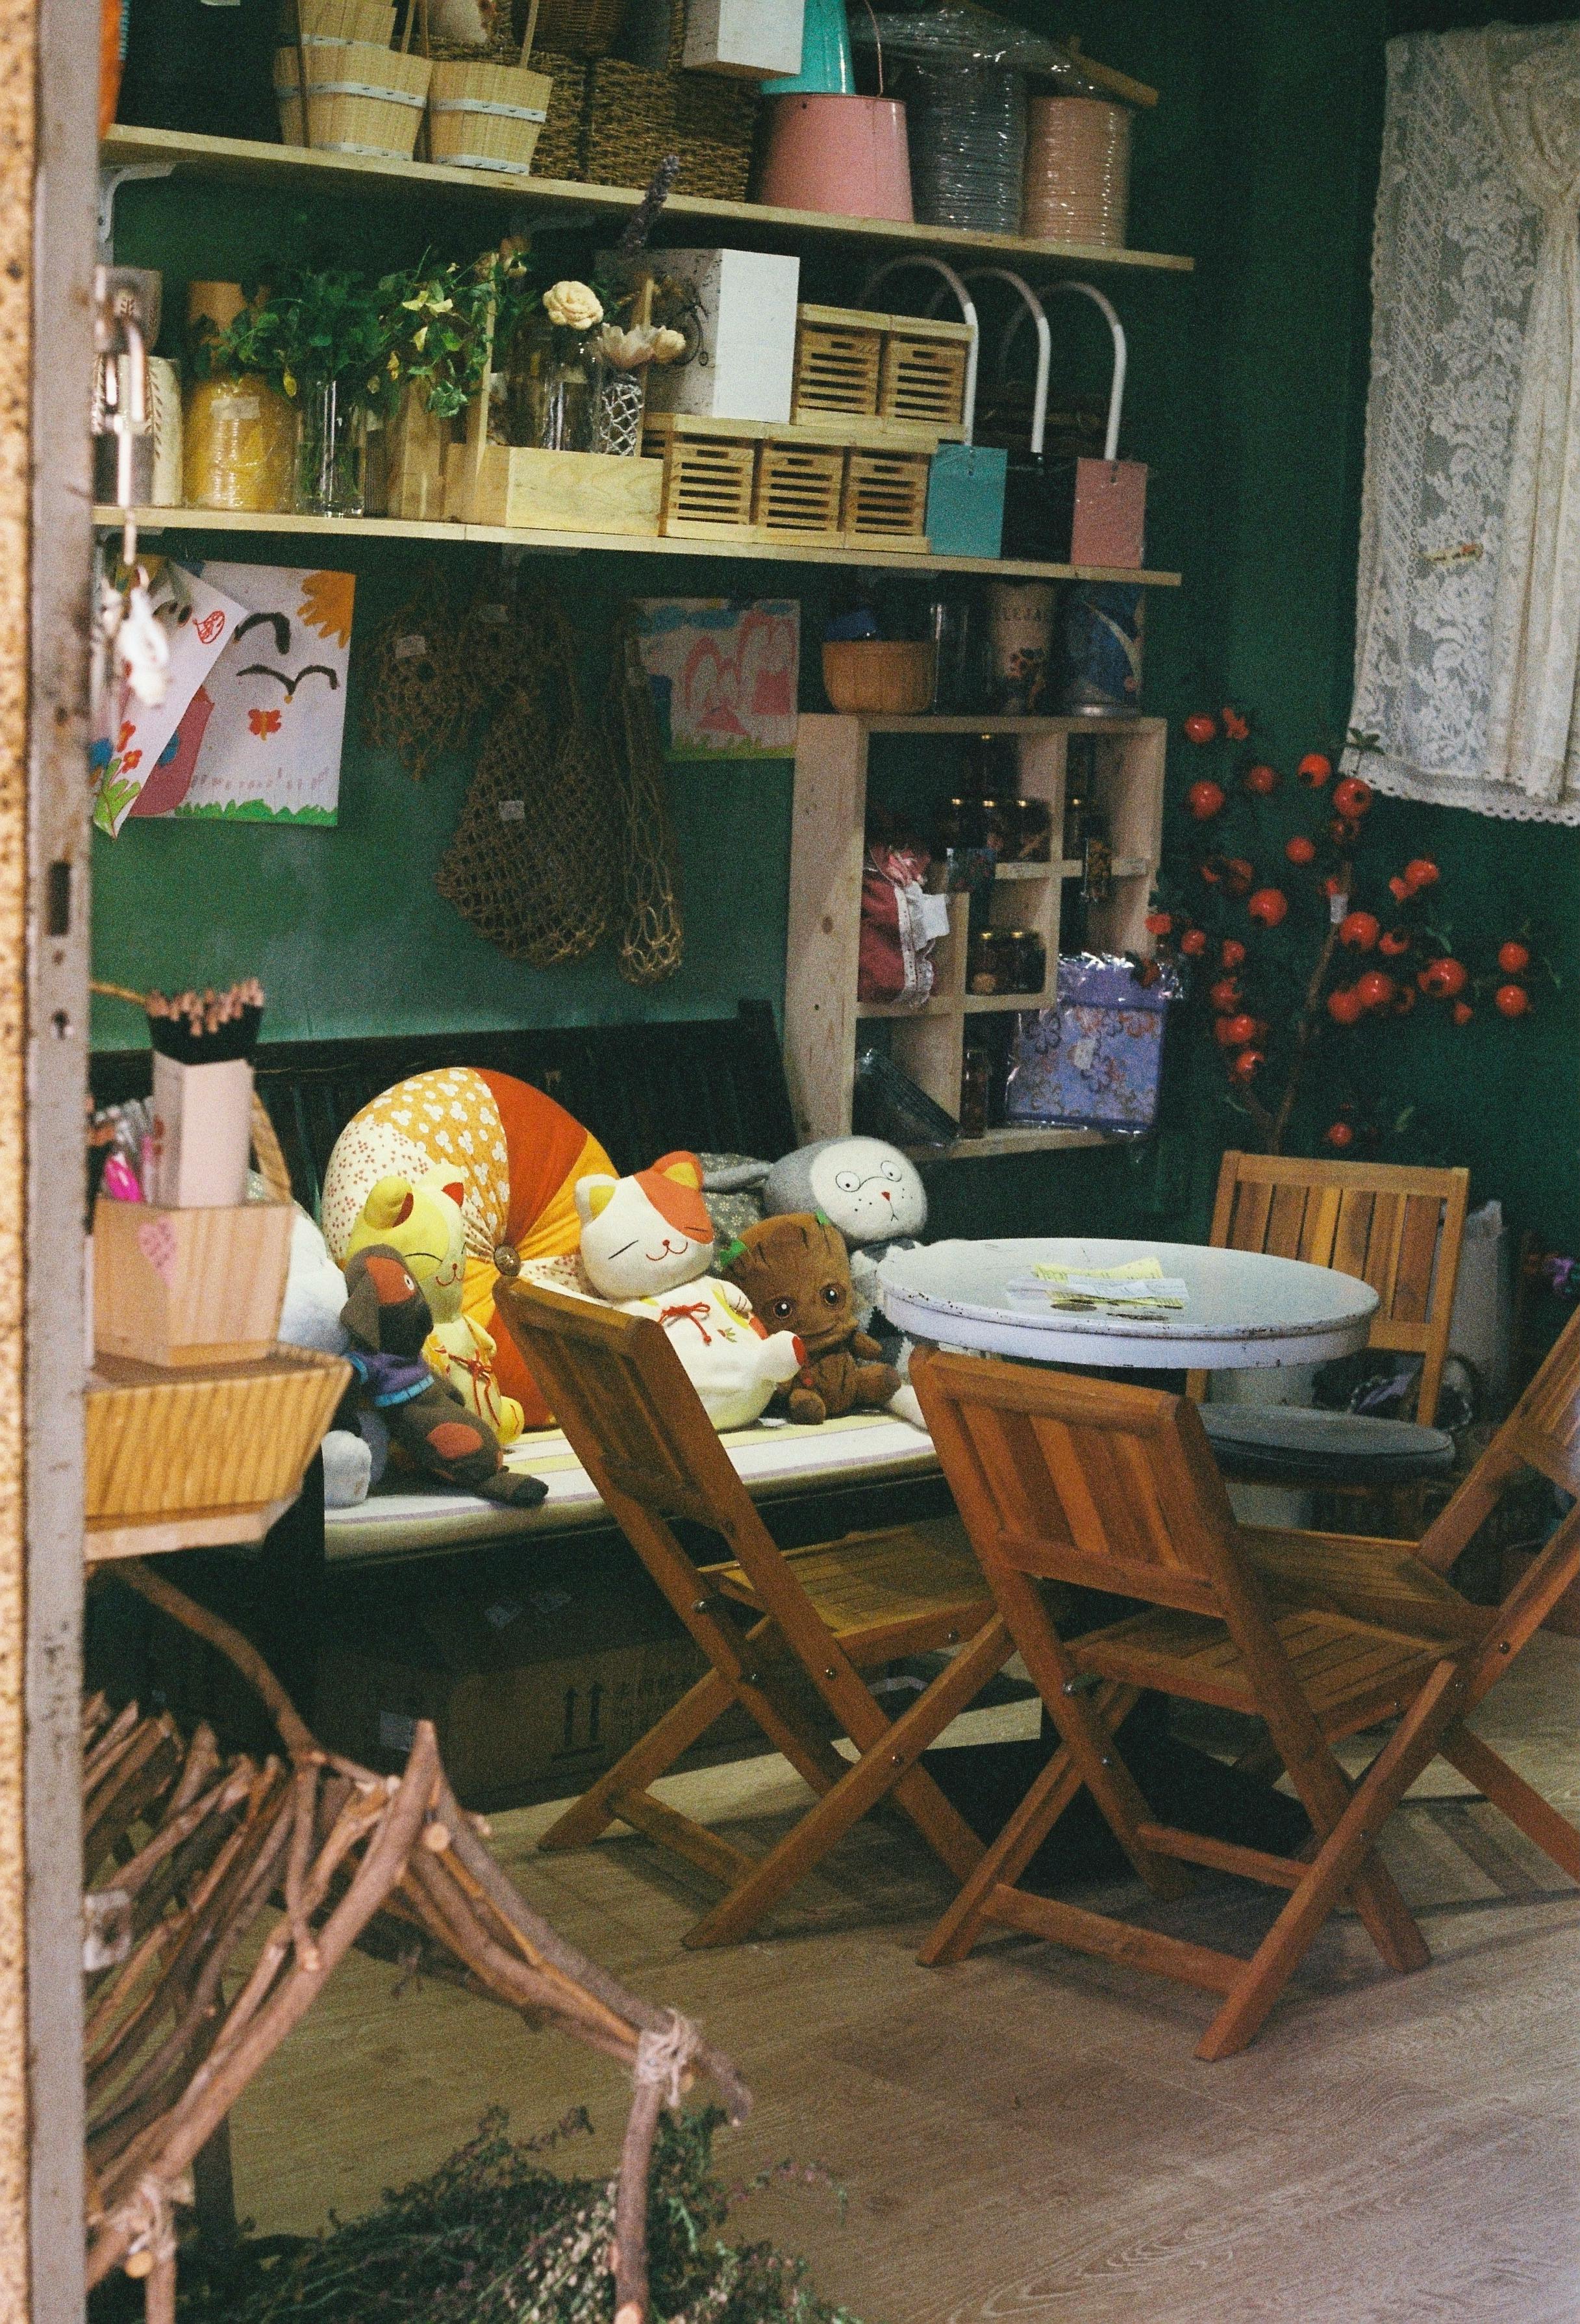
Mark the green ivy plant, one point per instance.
(442, 315)
(309, 328)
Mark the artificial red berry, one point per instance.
(1262, 780)
(1463, 1012)
(1193, 942)
(1404, 1000)
(1394, 942)
(1205, 800)
(1160, 924)
(1420, 872)
(1375, 988)
(1333, 885)
(1240, 1029)
(1212, 871)
(1315, 769)
(1359, 930)
(1300, 849)
(1224, 996)
(1442, 979)
(1268, 906)
(1222, 1033)
(1233, 954)
(1236, 727)
(1339, 1133)
(1352, 797)
(1510, 1000)
(1400, 890)
(1343, 833)
(1239, 876)
(1199, 727)
(1513, 957)
(1345, 1006)
(1247, 1064)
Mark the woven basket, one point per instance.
(635, 115)
(587, 28)
(558, 151)
(486, 117)
(348, 20)
(361, 98)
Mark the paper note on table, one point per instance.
(1137, 1286)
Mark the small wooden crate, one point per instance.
(799, 491)
(839, 362)
(706, 481)
(513, 486)
(923, 377)
(195, 1287)
(208, 1456)
(886, 500)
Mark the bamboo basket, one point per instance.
(225, 1444)
(361, 98)
(587, 28)
(486, 117)
(348, 20)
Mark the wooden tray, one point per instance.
(205, 1456)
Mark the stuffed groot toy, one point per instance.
(797, 1272)
(388, 1319)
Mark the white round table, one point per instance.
(1241, 1309)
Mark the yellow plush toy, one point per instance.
(421, 1218)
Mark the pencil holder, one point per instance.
(188, 1286)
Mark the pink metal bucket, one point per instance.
(844, 155)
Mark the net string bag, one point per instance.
(533, 865)
(419, 695)
(652, 937)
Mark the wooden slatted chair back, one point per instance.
(1398, 1228)
(633, 1419)
(1541, 1432)
(1082, 1481)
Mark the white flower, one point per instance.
(626, 350)
(668, 346)
(572, 305)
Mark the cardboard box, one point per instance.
(746, 368)
(756, 40)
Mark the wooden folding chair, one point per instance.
(1405, 1584)
(635, 1422)
(1398, 1228)
(1082, 1480)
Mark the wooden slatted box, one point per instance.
(886, 500)
(708, 479)
(838, 363)
(923, 377)
(903, 369)
(800, 491)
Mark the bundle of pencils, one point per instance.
(208, 1027)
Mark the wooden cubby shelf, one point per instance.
(867, 554)
(822, 1015)
(563, 202)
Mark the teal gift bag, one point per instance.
(965, 501)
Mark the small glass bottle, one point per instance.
(976, 1072)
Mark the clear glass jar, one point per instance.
(333, 453)
(238, 445)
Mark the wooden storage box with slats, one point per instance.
(800, 488)
(835, 479)
(902, 369)
(707, 482)
(886, 500)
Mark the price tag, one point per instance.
(512, 810)
(408, 649)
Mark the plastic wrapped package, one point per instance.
(962, 76)
(1094, 1060)
(238, 445)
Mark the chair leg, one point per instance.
(887, 1765)
(659, 1750)
(1413, 1743)
(1553, 1833)
(1008, 1856)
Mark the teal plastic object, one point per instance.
(827, 67)
(965, 500)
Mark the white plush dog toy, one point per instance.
(315, 1294)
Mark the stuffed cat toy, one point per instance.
(797, 1272)
(647, 1246)
(421, 1218)
(388, 1320)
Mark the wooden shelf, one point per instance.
(1008, 1142)
(559, 202)
(868, 555)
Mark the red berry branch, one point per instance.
(1310, 939)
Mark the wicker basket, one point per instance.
(348, 20)
(635, 116)
(361, 98)
(587, 28)
(486, 117)
(558, 151)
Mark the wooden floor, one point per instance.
(1027, 2139)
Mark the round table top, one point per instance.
(1243, 1309)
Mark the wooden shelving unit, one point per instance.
(867, 554)
(566, 202)
(822, 1016)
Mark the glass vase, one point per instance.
(334, 453)
(549, 402)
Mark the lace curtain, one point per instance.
(1468, 632)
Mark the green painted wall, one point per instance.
(1248, 383)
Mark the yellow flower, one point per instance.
(327, 603)
(668, 346)
(419, 338)
(572, 305)
(289, 383)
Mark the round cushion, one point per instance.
(1299, 1445)
(520, 1155)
